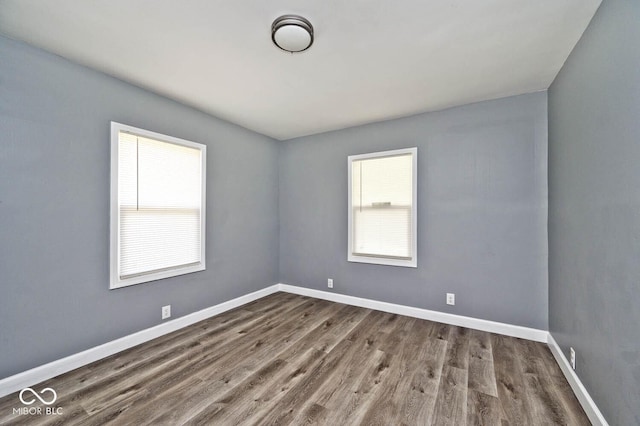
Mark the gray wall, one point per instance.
(594, 209)
(54, 209)
(482, 210)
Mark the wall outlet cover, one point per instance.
(573, 358)
(166, 311)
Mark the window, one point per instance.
(157, 206)
(382, 208)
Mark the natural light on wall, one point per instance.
(382, 208)
(158, 210)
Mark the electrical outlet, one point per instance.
(451, 298)
(166, 311)
(573, 358)
(330, 283)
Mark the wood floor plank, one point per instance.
(226, 369)
(330, 334)
(357, 362)
(231, 368)
(352, 404)
(235, 371)
(483, 409)
(223, 371)
(393, 341)
(544, 396)
(458, 348)
(359, 340)
(509, 380)
(314, 414)
(419, 404)
(174, 367)
(543, 404)
(228, 319)
(440, 331)
(405, 395)
(141, 411)
(290, 359)
(254, 398)
(364, 383)
(562, 388)
(451, 403)
(570, 402)
(480, 344)
(102, 373)
(482, 377)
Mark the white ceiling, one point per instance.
(371, 59)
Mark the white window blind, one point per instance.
(160, 207)
(382, 208)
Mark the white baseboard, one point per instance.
(588, 405)
(47, 371)
(459, 320)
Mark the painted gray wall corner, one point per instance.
(54, 209)
(482, 211)
(594, 209)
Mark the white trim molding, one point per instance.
(452, 319)
(588, 405)
(117, 241)
(47, 371)
(379, 259)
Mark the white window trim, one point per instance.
(115, 281)
(409, 263)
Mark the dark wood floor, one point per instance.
(288, 359)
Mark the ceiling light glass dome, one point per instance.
(292, 33)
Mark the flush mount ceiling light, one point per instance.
(292, 33)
